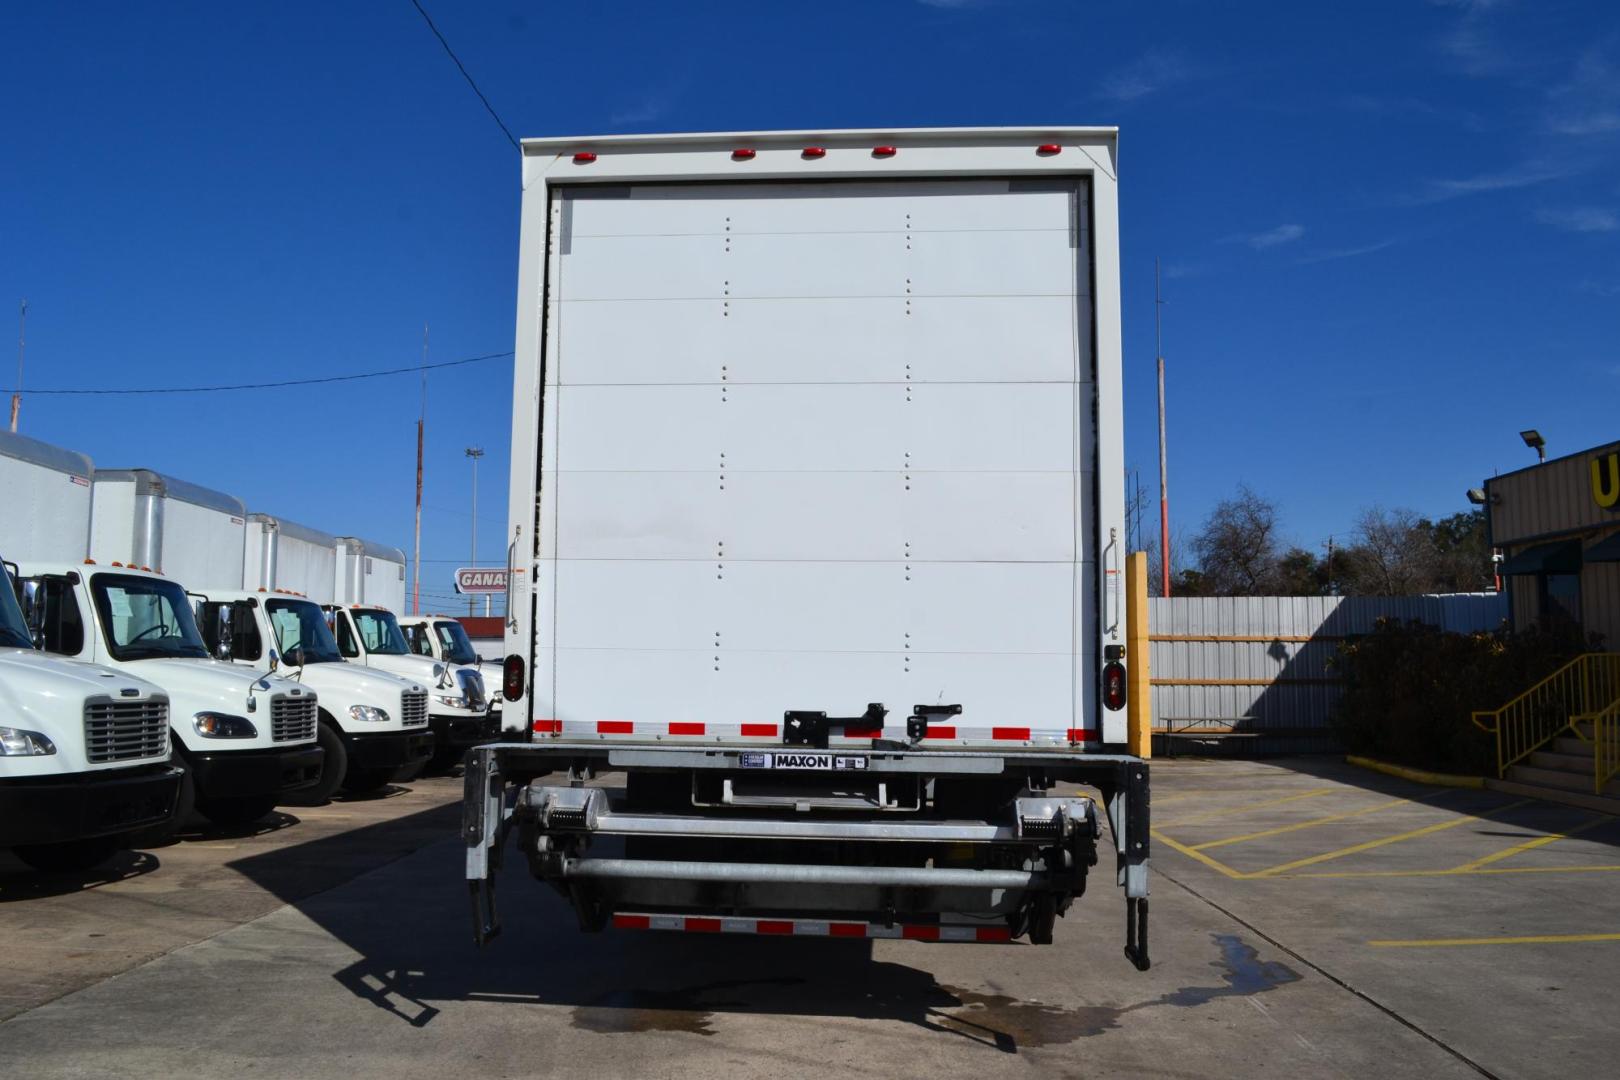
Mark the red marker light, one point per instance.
(1049, 148)
(512, 677)
(815, 152)
(883, 151)
(584, 157)
(742, 153)
(1114, 685)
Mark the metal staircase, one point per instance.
(1560, 739)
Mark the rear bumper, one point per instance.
(389, 749)
(251, 773)
(461, 732)
(51, 810)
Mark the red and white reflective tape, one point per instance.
(772, 731)
(705, 924)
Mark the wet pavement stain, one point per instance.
(903, 994)
(689, 1009)
(1011, 1024)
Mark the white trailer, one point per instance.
(369, 573)
(46, 492)
(145, 519)
(816, 532)
(283, 554)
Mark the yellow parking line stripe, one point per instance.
(1540, 841)
(1456, 871)
(1537, 939)
(1248, 806)
(1368, 845)
(1213, 864)
(1305, 824)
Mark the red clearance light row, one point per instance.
(700, 924)
(771, 731)
(813, 153)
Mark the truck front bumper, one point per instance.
(247, 773)
(389, 749)
(452, 732)
(57, 809)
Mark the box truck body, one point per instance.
(282, 554)
(47, 497)
(143, 518)
(817, 529)
(369, 573)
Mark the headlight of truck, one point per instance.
(215, 725)
(17, 742)
(368, 714)
(453, 702)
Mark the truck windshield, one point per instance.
(13, 630)
(380, 632)
(143, 618)
(454, 643)
(301, 633)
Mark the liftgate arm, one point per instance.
(483, 829)
(1128, 818)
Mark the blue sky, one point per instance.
(1390, 230)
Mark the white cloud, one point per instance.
(1282, 234)
(1584, 219)
(1349, 252)
(1522, 176)
(1153, 71)
(1588, 102)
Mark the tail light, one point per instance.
(742, 154)
(584, 157)
(883, 151)
(1049, 149)
(1113, 686)
(512, 678)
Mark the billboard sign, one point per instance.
(480, 580)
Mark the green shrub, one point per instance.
(1410, 689)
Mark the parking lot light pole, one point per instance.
(474, 452)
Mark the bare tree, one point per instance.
(1179, 548)
(1238, 547)
(1394, 554)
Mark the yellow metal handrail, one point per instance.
(1587, 685)
(1605, 746)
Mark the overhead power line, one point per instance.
(412, 370)
(464, 74)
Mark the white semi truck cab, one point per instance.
(816, 534)
(84, 752)
(459, 711)
(245, 740)
(374, 724)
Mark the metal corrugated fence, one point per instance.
(1258, 665)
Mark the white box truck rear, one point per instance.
(817, 533)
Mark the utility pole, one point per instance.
(474, 452)
(1164, 468)
(1331, 590)
(16, 397)
(421, 425)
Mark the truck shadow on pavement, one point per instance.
(19, 881)
(410, 924)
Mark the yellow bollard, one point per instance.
(1138, 688)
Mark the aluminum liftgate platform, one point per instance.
(1054, 838)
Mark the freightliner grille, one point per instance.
(122, 730)
(414, 708)
(292, 719)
